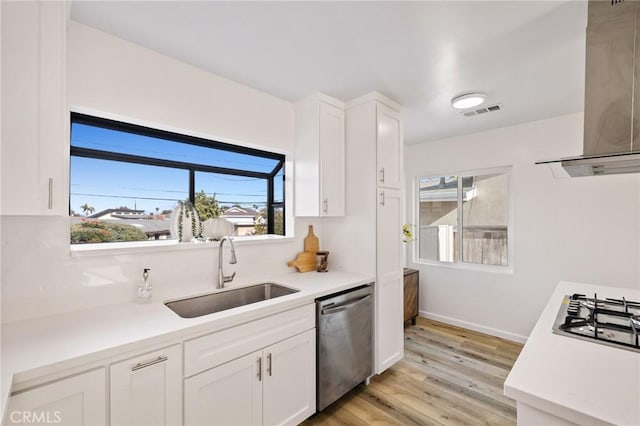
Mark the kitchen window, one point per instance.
(126, 181)
(464, 218)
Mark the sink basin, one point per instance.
(196, 306)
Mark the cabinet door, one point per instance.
(230, 394)
(389, 147)
(34, 133)
(332, 161)
(147, 390)
(290, 380)
(389, 285)
(78, 400)
(319, 157)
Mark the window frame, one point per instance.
(459, 263)
(192, 168)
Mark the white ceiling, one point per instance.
(526, 55)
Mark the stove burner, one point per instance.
(614, 322)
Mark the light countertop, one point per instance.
(578, 380)
(48, 345)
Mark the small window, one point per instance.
(476, 204)
(127, 180)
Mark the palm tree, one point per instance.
(87, 209)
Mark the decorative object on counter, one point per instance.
(407, 233)
(311, 242)
(216, 228)
(324, 259)
(185, 223)
(306, 261)
(144, 291)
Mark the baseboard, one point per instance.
(475, 327)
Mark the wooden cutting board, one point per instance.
(305, 262)
(311, 242)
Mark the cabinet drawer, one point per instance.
(217, 348)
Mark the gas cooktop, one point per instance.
(614, 322)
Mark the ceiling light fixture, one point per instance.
(468, 100)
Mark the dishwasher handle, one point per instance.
(340, 308)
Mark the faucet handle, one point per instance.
(228, 278)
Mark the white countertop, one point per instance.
(578, 380)
(35, 348)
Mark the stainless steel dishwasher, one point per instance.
(345, 343)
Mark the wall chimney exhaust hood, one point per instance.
(611, 115)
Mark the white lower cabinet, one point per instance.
(230, 394)
(272, 386)
(261, 372)
(147, 389)
(289, 388)
(77, 400)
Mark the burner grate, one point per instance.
(610, 321)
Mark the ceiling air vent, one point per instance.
(479, 111)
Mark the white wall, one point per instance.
(119, 79)
(580, 229)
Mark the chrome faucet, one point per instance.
(222, 279)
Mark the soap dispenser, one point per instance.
(144, 291)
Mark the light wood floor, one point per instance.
(449, 375)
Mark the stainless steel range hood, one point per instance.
(612, 86)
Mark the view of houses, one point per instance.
(127, 224)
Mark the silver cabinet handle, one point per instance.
(325, 205)
(157, 360)
(269, 366)
(382, 198)
(50, 202)
(260, 369)
(382, 175)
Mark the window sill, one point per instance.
(476, 267)
(107, 249)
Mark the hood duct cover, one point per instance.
(611, 117)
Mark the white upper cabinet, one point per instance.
(320, 157)
(34, 121)
(389, 147)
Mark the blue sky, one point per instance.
(108, 184)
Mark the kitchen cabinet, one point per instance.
(289, 388)
(388, 146)
(260, 372)
(34, 114)
(319, 157)
(390, 281)
(230, 394)
(147, 389)
(76, 400)
(275, 385)
(368, 239)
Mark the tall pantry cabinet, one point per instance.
(368, 238)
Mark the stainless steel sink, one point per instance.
(196, 306)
